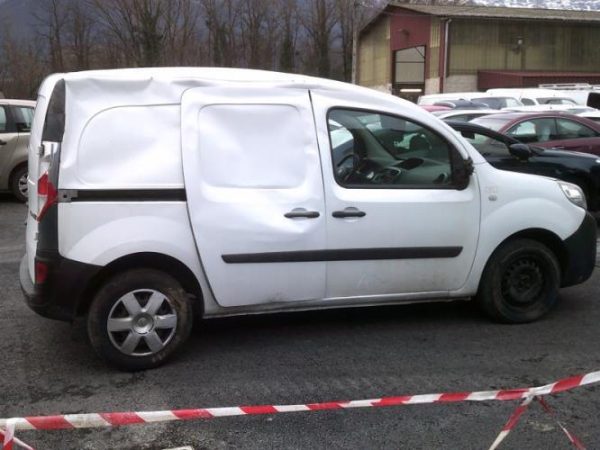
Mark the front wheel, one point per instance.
(139, 319)
(520, 282)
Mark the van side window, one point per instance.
(371, 150)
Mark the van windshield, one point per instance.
(556, 101)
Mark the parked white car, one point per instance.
(15, 126)
(159, 194)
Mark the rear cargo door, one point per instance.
(255, 193)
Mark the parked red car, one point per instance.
(432, 108)
(549, 130)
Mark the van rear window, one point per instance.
(3, 121)
(54, 125)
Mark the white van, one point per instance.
(158, 195)
(538, 98)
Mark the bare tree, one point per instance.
(345, 19)
(23, 67)
(254, 21)
(51, 24)
(289, 20)
(313, 36)
(137, 26)
(351, 14)
(319, 21)
(80, 33)
(222, 20)
(181, 33)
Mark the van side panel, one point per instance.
(252, 172)
(100, 232)
(141, 150)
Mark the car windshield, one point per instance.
(556, 101)
(493, 123)
(499, 102)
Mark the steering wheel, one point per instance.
(411, 163)
(344, 173)
(387, 175)
(442, 178)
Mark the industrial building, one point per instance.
(413, 48)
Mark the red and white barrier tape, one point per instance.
(8, 437)
(97, 420)
(572, 438)
(512, 422)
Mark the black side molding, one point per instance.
(350, 254)
(122, 195)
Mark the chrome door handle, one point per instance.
(348, 212)
(301, 213)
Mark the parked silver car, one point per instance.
(15, 126)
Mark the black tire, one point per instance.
(15, 177)
(520, 282)
(109, 304)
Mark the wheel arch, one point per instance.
(145, 260)
(546, 237)
(16, 167)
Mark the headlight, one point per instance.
(573, 193)
(598, 161)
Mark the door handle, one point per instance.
(348, 212)
(3, 142)
(301, 213)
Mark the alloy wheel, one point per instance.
(142, 322)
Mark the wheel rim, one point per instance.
(22, 185)
(523, 282)
(142, 322)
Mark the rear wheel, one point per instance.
(520, 282)
(18, 183)
(139, 319)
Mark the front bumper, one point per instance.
(59, 297)
(580, 253)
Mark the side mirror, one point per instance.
(520, 151)
(463, 169)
